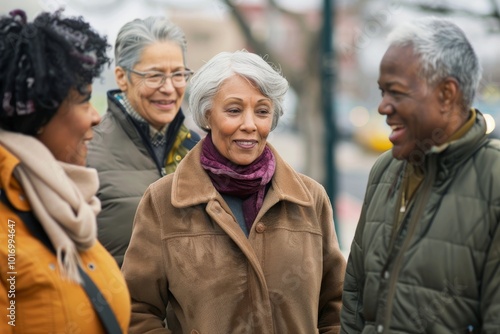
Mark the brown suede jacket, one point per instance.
(187, 250)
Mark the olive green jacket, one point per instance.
(126, 167)
(440, 272)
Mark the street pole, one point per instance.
(328, 77)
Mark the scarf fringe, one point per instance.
(68, 261)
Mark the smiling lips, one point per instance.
(246, 144)
(164, 104)
(87, 139)
(398, 131)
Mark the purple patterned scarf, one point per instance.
(246, 182)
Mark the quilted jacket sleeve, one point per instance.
(352, 297)
(490, 286)
(351, 317)
(490, 303)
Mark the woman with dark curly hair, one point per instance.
(55, 276)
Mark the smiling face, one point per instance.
(68, 132)
(240, 120)
(158, 106)
(417, 113)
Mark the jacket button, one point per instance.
(178, 158)
(260, 228)
(380, 329)
(386, 274)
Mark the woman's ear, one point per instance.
(121, 78)
(207, 118)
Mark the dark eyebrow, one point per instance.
(86, 97)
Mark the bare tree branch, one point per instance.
(258, 47)
(296, 16)
(311, 45)
(447, 10)
(305, 82)
(496, 10)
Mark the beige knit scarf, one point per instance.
(62, 197)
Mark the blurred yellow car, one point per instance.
(371, 131)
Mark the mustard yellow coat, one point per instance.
(34, 298)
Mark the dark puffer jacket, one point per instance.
(127, 165)
(441, 273)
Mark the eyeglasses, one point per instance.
(157, 79)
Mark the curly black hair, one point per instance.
(41, 62)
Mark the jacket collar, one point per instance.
(8, 182)
(462, 148)
(192, 185)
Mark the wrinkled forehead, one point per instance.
(400, 59)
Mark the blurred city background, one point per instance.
(328, 50)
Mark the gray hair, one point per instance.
(138, 34)
(206, 82)
(444, 51)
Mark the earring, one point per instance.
(40, 131)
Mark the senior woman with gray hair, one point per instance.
(142, 137)
(236, 240)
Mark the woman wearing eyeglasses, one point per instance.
(142, 137)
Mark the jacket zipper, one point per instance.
(148, 147)
(422, 200)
